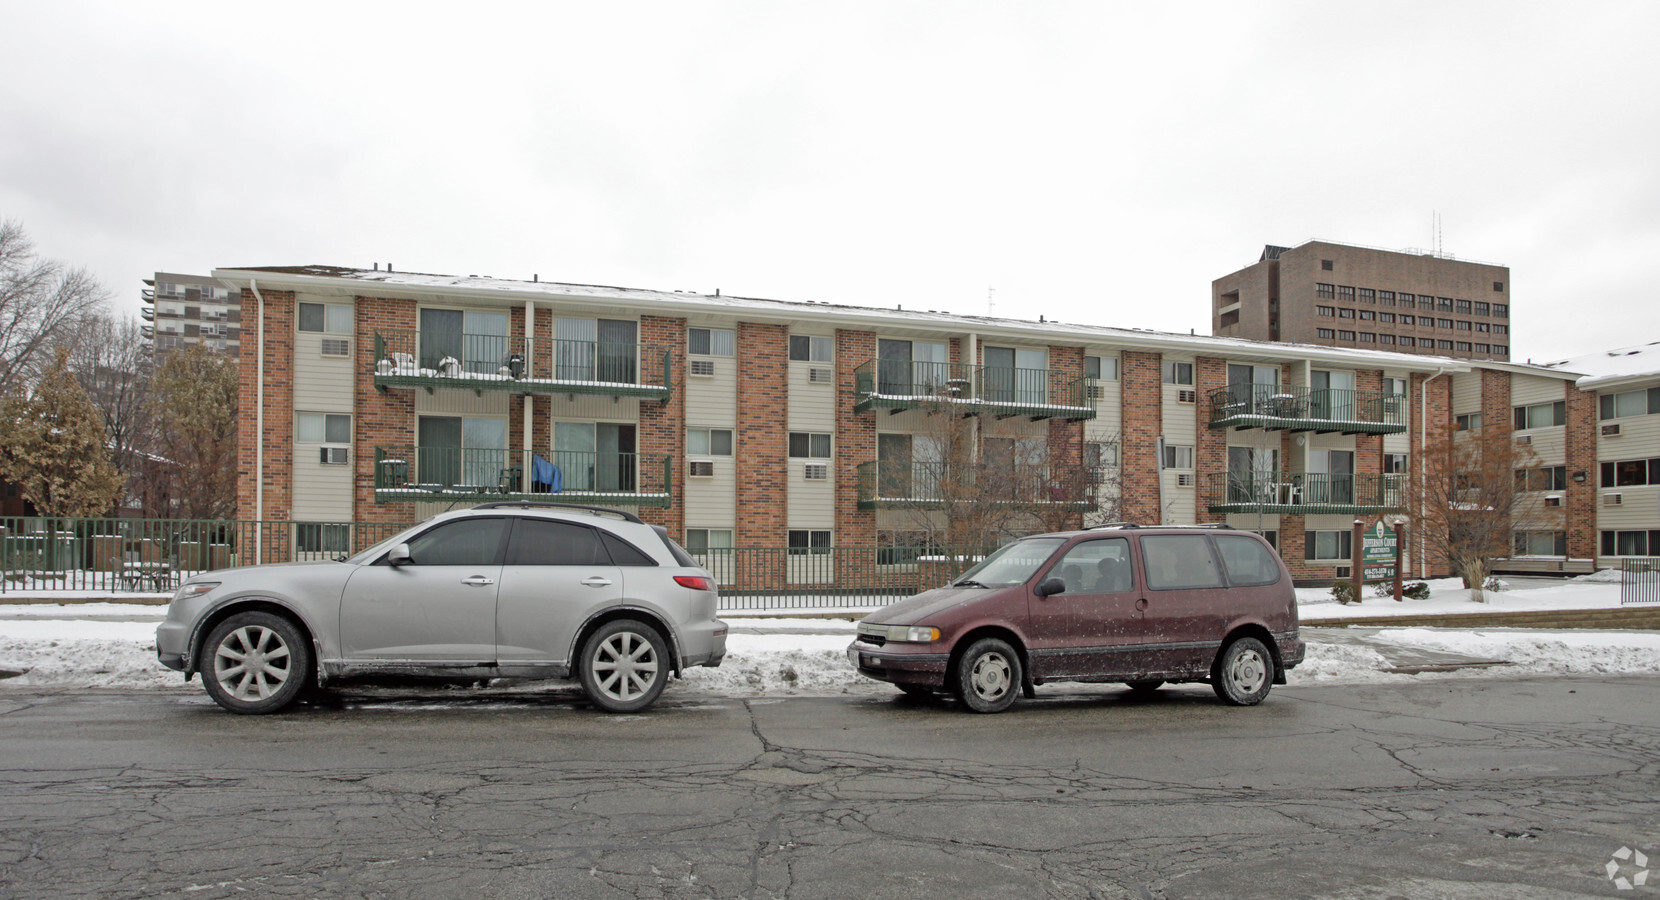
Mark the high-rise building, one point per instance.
(191, 309)
(1341, 295)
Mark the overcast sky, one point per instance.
(1091, 162)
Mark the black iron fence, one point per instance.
(1639, 581)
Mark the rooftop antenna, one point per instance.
(1436, 233)
(991, 306)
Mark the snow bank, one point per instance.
(1448, 595)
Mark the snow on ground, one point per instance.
(112, 645)
(1448, 595)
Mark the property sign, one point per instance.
(1377, 552)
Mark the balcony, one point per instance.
(1305, 493)
(899, 385)
(929, 485)
(493, 362)
(147, 313)
(147, 295)
(1282, 408)
(405, 473)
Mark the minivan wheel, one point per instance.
(624, 666)
(255, 662)
(988, 676)
(1244, 672)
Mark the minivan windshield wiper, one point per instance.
(967, 583)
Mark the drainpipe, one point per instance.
(529, 403)
(259, 426)
(1423, 441)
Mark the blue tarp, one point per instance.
(545, 476)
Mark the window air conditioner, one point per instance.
(1187, 396)
(335, 456)
(1553, 500)
(701, 367)
(1613, 499)
(703, 468)
(820, 375)
(817, 471)
(1345, 571)
(1611, 430)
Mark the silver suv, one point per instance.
(502, 590)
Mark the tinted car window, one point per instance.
(1096, 567)
(1179, 562)
(537, 542)
(468, 542)
(623, 553)
(1247, 561)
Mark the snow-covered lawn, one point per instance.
(112, 645)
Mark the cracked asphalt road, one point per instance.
(1452, 788)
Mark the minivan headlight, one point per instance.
(916, 634)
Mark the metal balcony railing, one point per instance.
(1287, 408)
(1303, 492)
(993, 390)
(494, 362)
(929, 485)
(409, 473)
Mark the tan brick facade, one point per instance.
(379, 418)
(855, 438)
(762, 441)
(1142, 375)
(663, 425)
(1581, 500)
(276, 317)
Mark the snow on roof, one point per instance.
(1612, 367)
(684, 302)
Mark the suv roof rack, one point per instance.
(531, 504)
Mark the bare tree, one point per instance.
(111, 357)
(1470, 500)
(193, 397)
(41, 300)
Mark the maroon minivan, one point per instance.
(1140, 605)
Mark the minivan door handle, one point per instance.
(477, 580)
(596, 581)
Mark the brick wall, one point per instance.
(662, 425)
(855, 439)
(1581, 501)
(762, 439)
(1142, 377)
(1368, 447)
(1210, 452)
(277, 317)
(379, 418)
(1066, 439)
(1435, 415)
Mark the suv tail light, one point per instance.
(695, 582)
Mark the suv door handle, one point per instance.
(477, 580)
(596, 581)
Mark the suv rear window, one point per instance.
(1247, 562)
(675, 550)
(1179, 562)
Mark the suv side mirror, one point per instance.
(1051, 586)
(399, 556)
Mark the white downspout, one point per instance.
(259, 426)
(529, 402)
(1423, 441)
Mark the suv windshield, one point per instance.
(1012, 564)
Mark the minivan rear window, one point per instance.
(1179, 562)
(1247, 561)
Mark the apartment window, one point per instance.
(1394, 464)
(1444, 323)
(1501, 310)
(1406, 299)
(319, 537)
(1333, 545)
(806, 348)
(1408, 319)
(1325, 334)
(1541, 415)
(1462, 307)
(1386, 298)
(1630, 543)
(1501, 349)
(1541, 543)
(1345, 313)
(809, 445)
(1467, 422)
(1426, 302)
(1482, 309)
(1104, 368)
(710, 342)
(1630, 473)
(1367, 315)
(1346, 293)
(1463, 346)
(1408, 341)
(1393, 385)
(1387, 318)
(1178, 373)
(700, 541)
(1367, 337)
(1542, 478)
(1327, 311)
(709, 441)
(1386, 339)
(1367, 295)
(1444, 304)
(1443, 345)
(1327, 291)
(1483, 348)
(1498, 287)
(1463, 325)
(809, 542)
(330, 318)
(1099, 454)
(1630, 403)
(1325, 265)
(1345, 335)
(323, 428)
(1483, 327)
(1177, 456)
(1501, 329)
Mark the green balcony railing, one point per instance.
(494, 362)
(927, 485)
(1306, 493)
(1286, 408)
(409, 473)
(898, 385)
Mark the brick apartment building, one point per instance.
(388, 397)
(1340, 295)
(180, 310)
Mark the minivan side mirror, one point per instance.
(1051, 586)
(399, 556)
